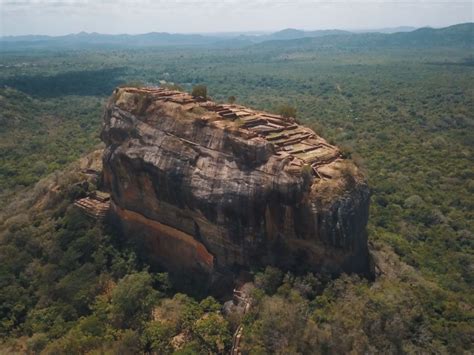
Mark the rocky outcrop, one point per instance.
(210, 188)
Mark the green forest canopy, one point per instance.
(404, 115)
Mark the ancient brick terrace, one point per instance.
(96, 205)
(290, 140)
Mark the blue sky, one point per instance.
(190, 16)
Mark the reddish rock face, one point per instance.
(212, 188)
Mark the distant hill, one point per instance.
(291, 33)
(387, 29)
(286, 34)
(456, 35)
(461, 35)
(84, 39)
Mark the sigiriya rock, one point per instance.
(210, 189)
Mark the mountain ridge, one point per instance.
(460, 34)
(456, 35)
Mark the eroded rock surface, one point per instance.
(212, 188)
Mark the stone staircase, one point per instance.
(239, 297)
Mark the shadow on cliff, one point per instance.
(191, 282)
(83, 83)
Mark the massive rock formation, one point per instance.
(210, 188)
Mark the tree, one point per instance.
(212, 331)
(231, 99)
(209, 304)
(157, 337)
(279, 326)
(199, 91)
(287, 111)
(269, 280)
(132, 299)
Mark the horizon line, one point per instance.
(248, 32)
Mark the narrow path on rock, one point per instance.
(243, 298)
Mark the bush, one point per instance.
(213, 333)
(269, 280)
(172, 86)
(134, 84)
(287, 111)
(279, 327)
(156, 337)
(199, 91)
(133, 299)
(37, 342)
(129, 343)
(209, 304)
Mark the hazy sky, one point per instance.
(126, 16)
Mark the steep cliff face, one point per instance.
(212, 188)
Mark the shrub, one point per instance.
(133, 299)
(172, 86)
(199, 91)
(37, 342)
(287, 111)
(134, 84)
(348, 173)
(156, 337)
(213, 333)
(269, 280)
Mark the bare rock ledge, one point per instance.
(211, 189)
